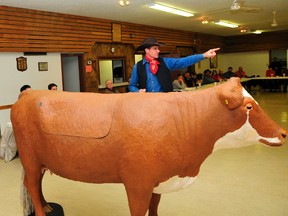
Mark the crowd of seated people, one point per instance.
(193, 79)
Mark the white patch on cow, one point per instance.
(246, 94)
(174, 184)
(244, 136)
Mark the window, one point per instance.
(113, 69)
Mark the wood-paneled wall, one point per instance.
(26, 30)
(253, 42)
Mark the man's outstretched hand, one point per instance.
(211, 53)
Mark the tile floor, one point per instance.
(251, 181)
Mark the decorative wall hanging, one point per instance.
(43, 66)
(214, 62)
(21, 63)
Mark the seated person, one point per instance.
(271, 84)
(270, 72)
(109, 87)
(220, 74)
(52, 86)
(240, 73)
(215, 76)
(188, 79)
(207, 79)
(25, 87)
(179, 84)
(195, 79)
(228, 74)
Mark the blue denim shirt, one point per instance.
(172, 64)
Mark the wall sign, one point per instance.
(21, 63)
(116, 32)
(43, 66)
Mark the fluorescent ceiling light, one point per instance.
(257, 32)
(170, 10)
(226, 24)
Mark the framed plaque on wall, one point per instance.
(116, 32)
(42, 66)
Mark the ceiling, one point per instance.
(138, 12)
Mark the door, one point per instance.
(71, 72)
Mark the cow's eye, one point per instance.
(249, 106)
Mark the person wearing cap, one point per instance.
(152, 74)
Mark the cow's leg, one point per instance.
(154, 202)
(47, 208)
(32, 181)
(139, 198)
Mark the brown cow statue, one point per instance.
(153, 143)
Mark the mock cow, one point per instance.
(153, 143)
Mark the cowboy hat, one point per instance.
(148, 42)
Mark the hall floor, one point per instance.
(251, 181)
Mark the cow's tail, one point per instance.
(26, 200)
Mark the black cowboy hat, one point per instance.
(148, 42)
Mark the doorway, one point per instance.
(72, 72)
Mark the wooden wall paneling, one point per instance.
(254, 42)
(54, 32)
(50, 31)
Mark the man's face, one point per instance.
(109, 85)
(153, 51)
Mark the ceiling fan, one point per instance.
(238, 5)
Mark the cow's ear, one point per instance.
(231, 94)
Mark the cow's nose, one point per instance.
(284, 134)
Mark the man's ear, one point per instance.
(231, 94)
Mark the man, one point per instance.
(188, 79)
(109, 87)
(240, 73)
(207, 79)
(228, 74)
(25, 87)
(52, 86)
(152, 74)
(179, 84)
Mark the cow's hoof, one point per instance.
(57, 210)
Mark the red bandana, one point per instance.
(153, 64)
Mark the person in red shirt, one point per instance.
(240, 73)
(270, 72)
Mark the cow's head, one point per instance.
(253, 123)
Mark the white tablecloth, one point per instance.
(8, 149)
